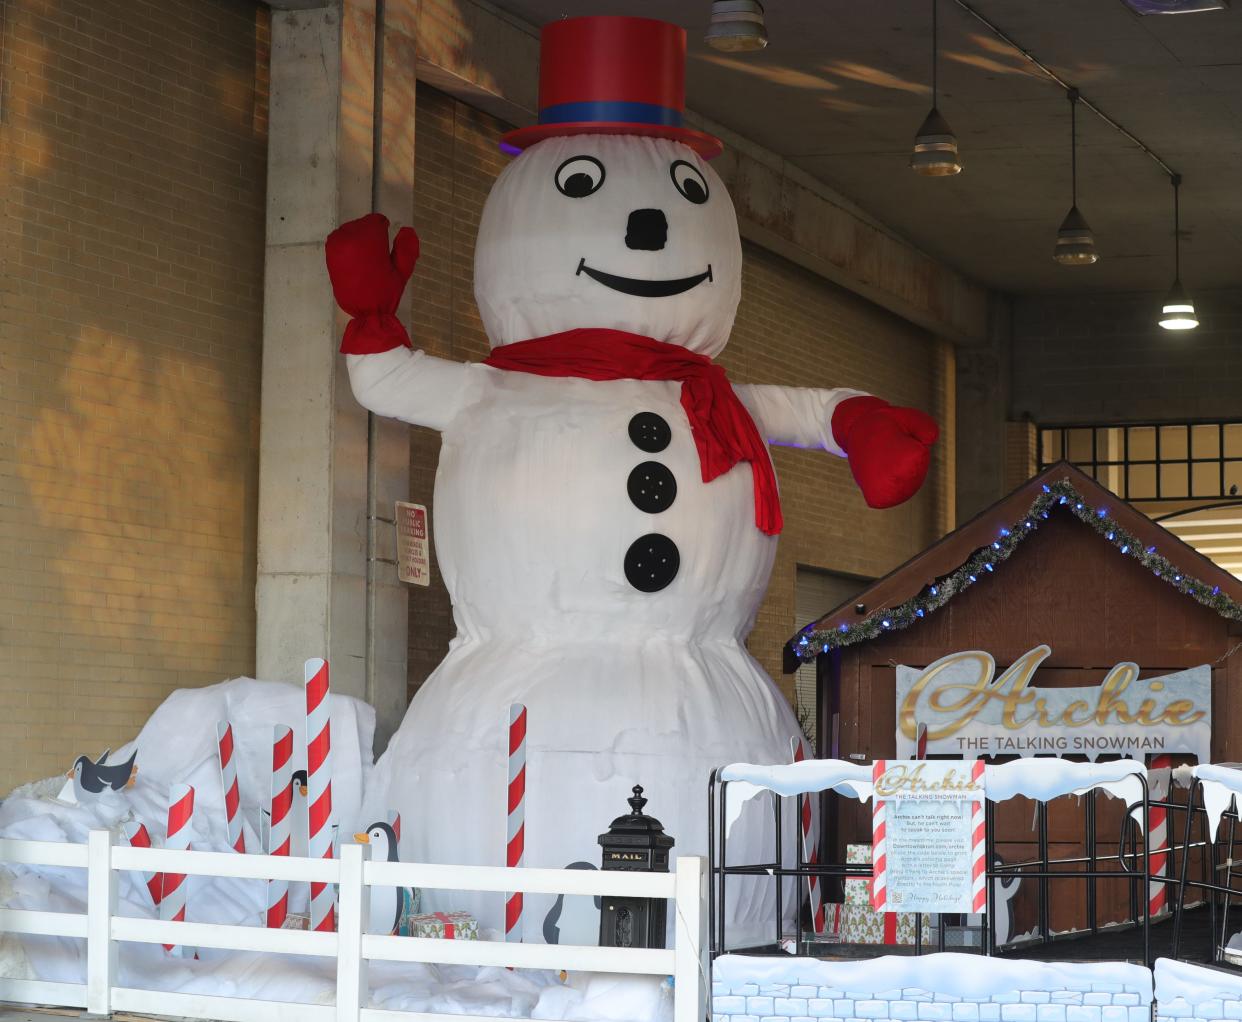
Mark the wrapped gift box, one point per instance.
(447, 925)
(858, 891)
(861, 924)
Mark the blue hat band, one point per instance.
(610, 112)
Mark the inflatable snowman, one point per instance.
(606, 512)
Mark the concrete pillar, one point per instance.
(983, 393)
(323, 465)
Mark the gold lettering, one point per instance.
(1175, 713)
(962, 701)
(1068, 716)
(1117, 681)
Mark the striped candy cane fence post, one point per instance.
(978, 834)
(810, 848)
(280, 826)
(321, 839)
(1161, 785)
(172, 899)
(515, 841)
(137, 835)
(228, 784)
(879, 845)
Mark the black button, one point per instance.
(651, 562)
(650, 432)
(652, 487)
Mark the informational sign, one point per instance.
(969, 711)
(927, 836)
(413, 545)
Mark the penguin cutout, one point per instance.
(577, 921)
(93, 777)
(300, 829)
(388, 904)
(1004, 889)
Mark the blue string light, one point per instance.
(940, 592)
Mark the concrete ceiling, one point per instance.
(843, 86)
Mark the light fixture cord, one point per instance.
(1177, 229)
(935, 51)
(1073, 102)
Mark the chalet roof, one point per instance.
(932, 578)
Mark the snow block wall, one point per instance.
(1188, 992)
(933, 988)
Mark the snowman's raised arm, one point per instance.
(889, 448)
(388, 378)
(410, 385)
(796, 416)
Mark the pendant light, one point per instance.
(1075, 242)
(1179, 311)
(736, 26)
(935, 146)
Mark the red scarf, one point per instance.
(723, 429)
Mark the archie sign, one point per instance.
(927, 836)
(969, 711)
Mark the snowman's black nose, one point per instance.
(647, 229)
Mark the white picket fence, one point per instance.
(351, 945)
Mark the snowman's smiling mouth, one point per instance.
(644, 288)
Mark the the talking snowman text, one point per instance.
(606, 513)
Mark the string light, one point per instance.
(940, 591)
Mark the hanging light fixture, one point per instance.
(935, 146)
(1075, 242)
(1179, 311)
(736, 25)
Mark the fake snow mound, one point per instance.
(1221, 783)
(961, 975)
(178, 745)
(1194, 984)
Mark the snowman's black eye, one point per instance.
(689, 181)
(579, 176)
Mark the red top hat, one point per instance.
(612, 76)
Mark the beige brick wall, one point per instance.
(132, 161)
(792, 328)
(1021, 453)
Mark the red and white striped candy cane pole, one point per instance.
(280, 825)
(137, 835)
(321, 839)
(978, 850)
(228, 784)
(1158, 840)
(920, 742)
(180, 816)
(810, 848)
(879, 846)
(515, 842)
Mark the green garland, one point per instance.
(983, 562)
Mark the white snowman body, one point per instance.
(595, 578)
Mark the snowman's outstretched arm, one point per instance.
(410, 385)
(795, 416)
(367, 280)
(889, 448)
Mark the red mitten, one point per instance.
(888, 448)
(367, 281)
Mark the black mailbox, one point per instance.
(634, 842)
